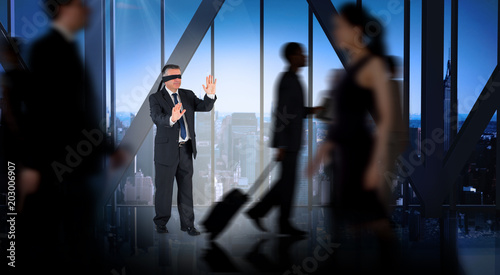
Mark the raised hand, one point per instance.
(176, 112)
(210, 88)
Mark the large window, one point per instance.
(477, 34)
(192, 79)
(477, 50)
(4, 13)
(178, 14)
(137, 57)
(237, 67)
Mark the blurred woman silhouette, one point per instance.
(358, 151)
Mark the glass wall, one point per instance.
(477, 34)
(237, 68)
(4, 13)
(241, 144)
(477, 50)
(178, 14)
(192, 79)
(137, 57)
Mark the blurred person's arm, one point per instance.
(314, 110)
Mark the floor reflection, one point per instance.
(243, 249)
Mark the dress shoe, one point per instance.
(191, 231)
(161, 229)
(256, 220)
(292, 231)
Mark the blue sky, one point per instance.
(237, 47)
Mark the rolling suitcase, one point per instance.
(222, 212)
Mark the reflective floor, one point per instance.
(242, 249)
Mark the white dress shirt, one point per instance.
(212, 96)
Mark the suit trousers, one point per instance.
(182, 171)
(281, 194)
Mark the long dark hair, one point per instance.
(373, 30)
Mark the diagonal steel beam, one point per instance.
(460, 150)
(324, 12)
(182, 54)
(464, 144)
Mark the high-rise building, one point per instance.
(202, 183)
(245, 145)
(447, 109)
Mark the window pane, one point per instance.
(477, 50)
(137, 55)
(3, 13)
(415, 72)
(237, 68)
(192, 79)
(178, 14)
(30, 22)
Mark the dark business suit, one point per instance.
(288, 128)
(172, 161)
(57, 220)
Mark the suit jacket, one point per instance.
(290, 111)
(167, 137)
(60, 104)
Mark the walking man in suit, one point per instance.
(172, 110)
(287, 139)
(56, 226)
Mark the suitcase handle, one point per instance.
(261, 178)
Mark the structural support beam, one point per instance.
(310, 89)
(406, 98)
(112, 70)
(473, 127)
(454, 71)
(11, 17)
(212, 115)
(261, 117)
(182, 54)
(432, 178)
(324, 12)
(432, 104)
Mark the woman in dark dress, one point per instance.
(359, 152)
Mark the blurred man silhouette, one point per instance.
(288, 128)
(13, 84)
(64, 147)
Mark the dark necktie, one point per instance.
(181, 120)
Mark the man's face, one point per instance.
(299, 59)
(78, 12)
(173, 84)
